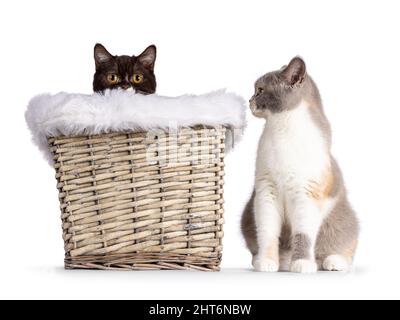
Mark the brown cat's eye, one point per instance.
(112, 78)
(137, 78)
(260, 90)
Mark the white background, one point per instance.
(351, 49)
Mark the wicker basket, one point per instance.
(122, 209)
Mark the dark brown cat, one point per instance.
(125, 72)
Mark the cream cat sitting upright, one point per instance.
(298, 218)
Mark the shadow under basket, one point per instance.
(142, 200)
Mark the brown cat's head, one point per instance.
(134, 73)
(282, 90)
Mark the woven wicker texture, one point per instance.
(140, 201)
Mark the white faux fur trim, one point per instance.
(75, 114)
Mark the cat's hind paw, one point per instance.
(336, 263)
(265, 265)
(304, 266)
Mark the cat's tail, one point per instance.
(249, 227)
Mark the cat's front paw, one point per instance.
(265, 264)
(336, 263)
(304, 266)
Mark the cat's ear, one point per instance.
(295, 72)
(148, 57)
(101, 55)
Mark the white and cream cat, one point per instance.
(298, 218)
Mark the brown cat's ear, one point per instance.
(295, 72)
(101, 55)
(148, 57)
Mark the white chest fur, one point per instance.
(292, 186)
(292, 149)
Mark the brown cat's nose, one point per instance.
(125, 86)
